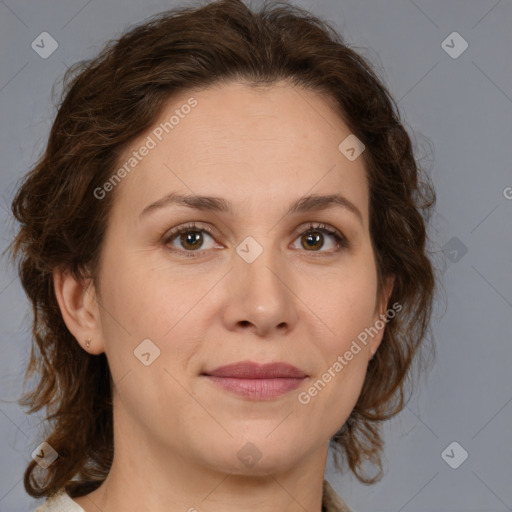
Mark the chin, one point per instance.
(257, 455)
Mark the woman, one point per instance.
(224, 246)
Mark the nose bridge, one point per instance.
(259, 264)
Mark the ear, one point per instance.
(380, 313)
(80, 309)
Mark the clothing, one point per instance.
(61, 502)
(331, 502)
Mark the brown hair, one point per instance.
(113, 98)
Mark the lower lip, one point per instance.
(257, 389)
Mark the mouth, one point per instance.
(255, 381)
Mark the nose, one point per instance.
(259, 297)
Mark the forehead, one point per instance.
(249, 144)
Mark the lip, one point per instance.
(257, 381)
(251, 370)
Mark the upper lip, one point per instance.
(251, 370)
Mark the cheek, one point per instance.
(143, 300)
(345, 302)
(335, 388)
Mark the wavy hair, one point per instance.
(111, 99)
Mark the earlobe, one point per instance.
(79, 309)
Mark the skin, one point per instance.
(176, 434)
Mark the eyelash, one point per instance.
(341, 241)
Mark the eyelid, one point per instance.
(189, 226)
(321, 226)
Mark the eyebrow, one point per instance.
(312, 202)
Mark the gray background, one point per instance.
(463, 106)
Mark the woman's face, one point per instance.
(260, 285)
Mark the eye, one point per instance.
(190, 238)
(313, 238)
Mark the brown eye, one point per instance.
(191, 239)
(316, 237)
(188, 239)
(312, 240)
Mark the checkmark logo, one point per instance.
(249, 454)
(44, 45)
(249, 249)
(146, 352)
(45, 455)
(454, 455)
(351, 147)
(454, 45)
(454, 250)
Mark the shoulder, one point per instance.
(331, 501)
(60, 502)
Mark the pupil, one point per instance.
(191, 238)
(314, 238)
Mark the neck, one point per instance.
(148, 476)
